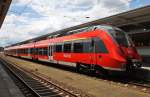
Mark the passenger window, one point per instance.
(27, 51)
(59, 48)
(67, 47)
(36, 51)
(40, 51)
(32, 51)
(45, 52)
(78, 47)
(87, 48)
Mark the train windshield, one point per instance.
(120, 37)
(117, 34)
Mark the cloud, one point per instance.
(31, 18)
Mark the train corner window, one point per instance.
(100, 46)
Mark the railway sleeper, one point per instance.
(34, 83)
(41, 88)
(48, 94)
(37, 86)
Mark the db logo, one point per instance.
(67, 55)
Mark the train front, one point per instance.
(127, 48)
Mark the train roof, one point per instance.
(42, 43)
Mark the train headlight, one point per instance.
(136, 63)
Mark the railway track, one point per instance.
(139, 85)
(145, 87)
(132, 82)
(37, 85)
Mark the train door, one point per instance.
(99, 50)
(93, 54)
(50, 52)
(29, 52)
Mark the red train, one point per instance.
(98, 47)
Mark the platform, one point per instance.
(146, 68)
(7, 86)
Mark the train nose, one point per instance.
(132, 54)
(133, 64)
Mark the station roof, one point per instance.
(4, 6)
(134, 19)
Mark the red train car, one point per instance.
(25, 50)
(99, 47)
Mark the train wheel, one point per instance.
(78, 67)
(101, 71)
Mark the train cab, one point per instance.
(124, 45)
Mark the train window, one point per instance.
(80, 30)
(53, 47)
(120, 37)
(36, 51)
(117, 34)
(40, 51)
(32, 50)
(78, 47)
(58, 48)
(25, 51)
(99, 46)
(20, 51)
(87, 48)
(45, 51)
(67, 47)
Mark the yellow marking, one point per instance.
(75, 39)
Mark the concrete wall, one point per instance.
(145, 53)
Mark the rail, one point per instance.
(38, 85)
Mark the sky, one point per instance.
(27, 19)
